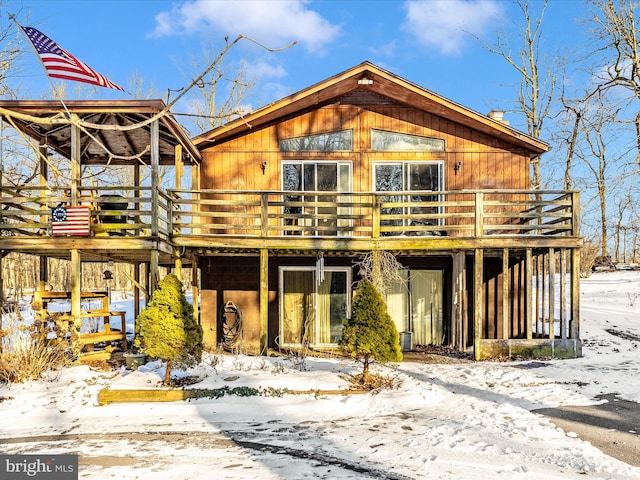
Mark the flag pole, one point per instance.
(33, 48)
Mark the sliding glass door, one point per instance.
(415, 304)
(321, 212)
(313, 304)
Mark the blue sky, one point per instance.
(422, 41)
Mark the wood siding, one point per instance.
(487, 163)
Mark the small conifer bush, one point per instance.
(370, 333)
(166, 328)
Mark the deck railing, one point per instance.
(374, 214)
(114, 211)
(130, 211)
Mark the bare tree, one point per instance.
(617, 50)
(221, 94)
(599, 130)
(537, 79)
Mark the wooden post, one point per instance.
(375, 217)
(505, 294)
(136, 290)
(575, 220)
(136, 195)
(528, 273)
(458, 300)
(195, 208)
(574, 327)
(264, 300)
(76, 263)
(155, 203)
(552, 293)
(479, 208)
(75, 163)
(154, 267)
(76, 283)
(477, 301)
(563, 293)
(195, 288)
(43, 180)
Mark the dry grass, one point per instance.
(27, 352)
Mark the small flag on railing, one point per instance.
(67, 221)
(58, 63)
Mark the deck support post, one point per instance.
(195, 288)
(505, 294)
(552, 292)
(563, 293)
(264, 300)
(478, 275)
(76, 280)
(574, 327)
(528, 275)
(458, 300)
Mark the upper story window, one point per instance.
(321, 142)
(383, 141)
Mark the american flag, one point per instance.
(70, 221)
(61, 64)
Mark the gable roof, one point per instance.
(366, 82)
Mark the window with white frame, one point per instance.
(407, 176)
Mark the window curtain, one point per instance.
(426, 307)
(398, 303)
(324, 309)
(298, 307)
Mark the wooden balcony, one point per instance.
(129, 221)
(416, 220)
(126, 220)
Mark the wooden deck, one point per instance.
(128, 222)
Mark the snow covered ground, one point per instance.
(462, 420)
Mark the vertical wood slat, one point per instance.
(563, 293)
(76, 167)
(574, 327)
(264, 215)
(552, 292)
(457, 300)
(538, 288)
(375, 233)
(479, 208)
(154, 260)
(76, 262)
(505, 294)
(76, 283)
(195, 287)
(529, 293)
(155, 176)
(477, 300)
(264, 300)
(575, 210)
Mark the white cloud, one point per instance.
(444, 25)
(264, 69)
(272, 23)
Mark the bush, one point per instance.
(370, 333)
(29, 351)
(166, 328)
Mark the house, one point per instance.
(287, 200)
